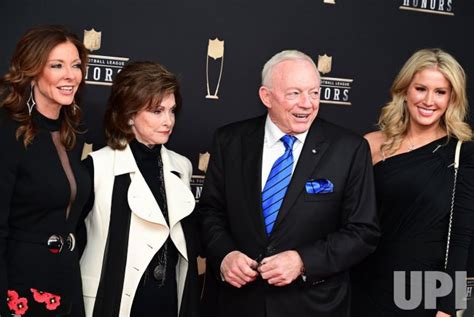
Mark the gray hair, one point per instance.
(280, 57)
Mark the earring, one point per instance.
(30, 103)
(130, 122)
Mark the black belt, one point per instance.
(56, 243)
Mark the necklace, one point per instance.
(411, 146)
(159, 272)
(421, 141)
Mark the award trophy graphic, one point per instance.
(215, 50)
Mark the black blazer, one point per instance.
(331, 232)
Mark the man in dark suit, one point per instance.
(288, 204)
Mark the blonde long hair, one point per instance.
(394, 117)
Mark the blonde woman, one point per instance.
(412, 155)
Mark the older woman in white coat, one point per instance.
(140, 256)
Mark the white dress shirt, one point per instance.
(273, 147)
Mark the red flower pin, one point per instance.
(12, 298)
(19, 305)
(52, 301)
(39, 296)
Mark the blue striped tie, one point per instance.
(277, 183)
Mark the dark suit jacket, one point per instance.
(331, 232)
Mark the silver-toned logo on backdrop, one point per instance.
(333, 90)
(215, 50)
(197, 181)
(101, 69)
(469, 287)
(443, 7)
(330, 1)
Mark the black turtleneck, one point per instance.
(152, 295)
(148, 161)
(44, 122)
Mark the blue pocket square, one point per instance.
(319, 186)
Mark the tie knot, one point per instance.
(288, 140)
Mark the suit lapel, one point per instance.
(252, 150)
(313, 150)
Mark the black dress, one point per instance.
(42, 192)
(414, 196)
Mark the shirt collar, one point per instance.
(273, 134)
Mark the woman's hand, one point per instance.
(441, 314)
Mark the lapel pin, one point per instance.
(314, 151)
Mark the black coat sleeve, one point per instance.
(215, 234)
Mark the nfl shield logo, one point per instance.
(324, 63)
(215, 48)
(92, 39)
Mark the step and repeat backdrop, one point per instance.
(218, 47)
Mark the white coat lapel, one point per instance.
(179, 197)
(140, 198)
(178, 194)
